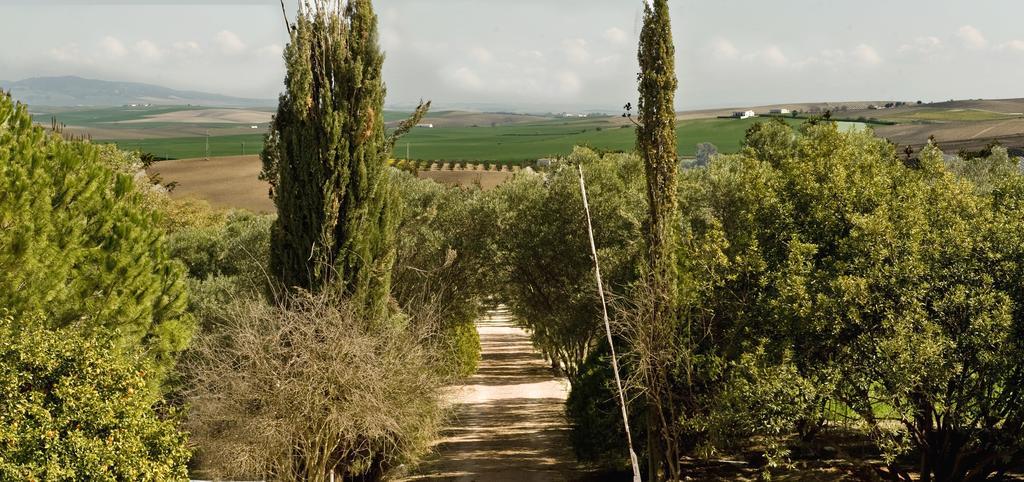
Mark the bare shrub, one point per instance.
(300, 392)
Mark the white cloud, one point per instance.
(576, 50)
(113, 47)
(466, 78)
(272, 50)
(773, 56)
(972, 37)
(867, 55)
(481, 55)
(922, 45)
(829, 57)
(186, 48)
(66, 53)
(569, 83)
(390, 39)
(616, 35)
(147, 50)
(229, 42)
(723, 49)
(1017, 45)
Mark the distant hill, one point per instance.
(70, 91)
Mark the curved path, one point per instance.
(509, 419)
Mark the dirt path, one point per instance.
(509, 422)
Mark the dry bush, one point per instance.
(296, 393)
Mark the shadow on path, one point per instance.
(509, 419)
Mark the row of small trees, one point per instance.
(825, 285)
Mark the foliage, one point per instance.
(543, 266)
(326, 159)
(79, 244)
(705, 152)
(985, 172)
(444, 250)
(225, 253)
(818, 266)
(235, 247)
(763, 396)
(75, 409)
(594, 416)
(179, 214)
(296, 393)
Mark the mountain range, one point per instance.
(72, 91)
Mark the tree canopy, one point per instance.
(80, 245)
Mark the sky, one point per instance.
(547, 55)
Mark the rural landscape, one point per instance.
(755, 266)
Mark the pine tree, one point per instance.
(656, 142)
(79, 244)
(326, 158)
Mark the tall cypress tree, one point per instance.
(656, 142)
(326, 158)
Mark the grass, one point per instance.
(503, 143)
(527, 142)
(192, 147)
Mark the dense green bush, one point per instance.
(594, 416)
(238, 246)
(74, 408)
(80, 245)
(225, 253)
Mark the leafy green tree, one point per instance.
(75, 409)
(326, 158)
(544, 270)
(893, 290)
(442, 273)
(225, 258)
(79, 244)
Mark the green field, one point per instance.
(557, 138)
(511, 143)
(192, 147)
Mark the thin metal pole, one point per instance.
(608, 330)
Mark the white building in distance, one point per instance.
(779, 111)
(744, 114)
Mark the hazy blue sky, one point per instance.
(558, 53)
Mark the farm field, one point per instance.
(503, 143)
(953, 115)
(180, 132)
(224, 182)
(527, 142)
(195, 146)
(232, 182)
